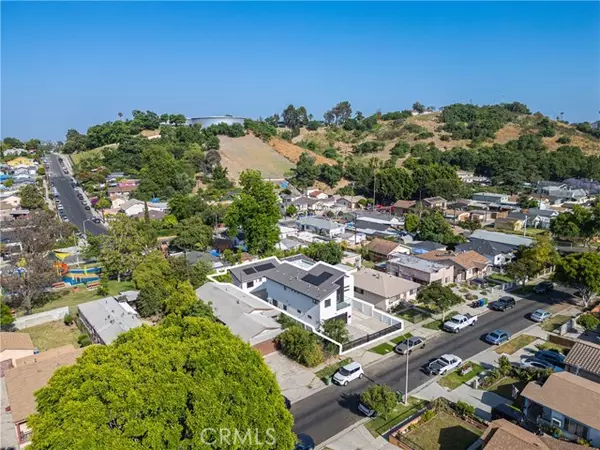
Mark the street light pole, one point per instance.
(84, 225)
(406, 381)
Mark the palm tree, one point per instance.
(120, 116)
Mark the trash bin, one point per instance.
(327, 380)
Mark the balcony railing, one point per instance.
(342, 305)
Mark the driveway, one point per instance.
(362, 325)
(296, 381)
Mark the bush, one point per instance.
(84, 340)
(103, 287)
(380, 398)
(68, 319)
(424, 135)
(464, 409)
(564, 140)
(301, 345)
(588, 321)
(445, 137)
(428, 415)
(313, 125)
(414, 128)
(400, 150)
(368, 147)
(287, 136)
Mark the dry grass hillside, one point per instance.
(391, 132)
(292, 152)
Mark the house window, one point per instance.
(575, 428)
(250, 284)
(327, 303)
(359, 290)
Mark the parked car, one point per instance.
(553, 357)
(305, 442)
(409, 345)
(503, 303)
(444, 364)
(366, 410)
(539, 315)
(348, 373)
(497, 337)
(533, 363)
(544, 287)
(459, 321)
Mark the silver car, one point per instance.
(533, 363)
(409, 345)
(539, 315)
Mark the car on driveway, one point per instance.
(534, 363)
(544, 287)
(497, 337)
(409, 345)
(503, 303)
(443, 365)
(553, 357)
(348, 373)
(539, 315)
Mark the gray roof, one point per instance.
(254, 270)
(319, 222)
(366, 225)
(252, 320)
(503, 238)
(428, 245)
(317, 283)
(486, 248)
(108, 318)
(417, 263)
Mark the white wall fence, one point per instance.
(369, 310)
(40, 318)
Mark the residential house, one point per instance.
(562, 193)
(317, 194)
(535, 217)
(382, 249)
(351, 238)
(402, 207)
(504, 435)
(378, 217)
(285, 231)
(105, 319)
(584, 360)
(21, 162)
(29, 377)
(348, 202)
(290, 244)
(467, 265)
(352, 258)
(456, 215)
(371, 229)
(312, 292)
(14, 346)
(502, 238)
(471, 178)
(567, 402)
(496, 253)
(132, 207)
(254, 321)
(420, 270)
(13, 151)
(509, 224)
(436, 203)
(13, 200)
(421, 247)
(491, 197)
(121, 191)
(321, 226)
(383, 290)
(152, 214)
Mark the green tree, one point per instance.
(306, 172)
(337, 330)
(380, 398)
(301, 345)
(438, 296)
(588, 321)
(31, 197)
(231, 257)
(330, 174)
(194, 273)
(418, 107)
(123, 246)
(6, 317)
(180, 300)
(582, 272)
(102, 204)
(103, 287)
(291, 211)
(192, 233)
(470, 224)
(526, 202)
(393, 184)
(433, 227)
(330, 252)
(256, 211)
(155, 280)
(164, 387)
(522, 269)
(411, 223)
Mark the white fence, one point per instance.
(40, 318)
(369, 310)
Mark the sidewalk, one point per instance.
(356, 438)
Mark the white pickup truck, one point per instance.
(459, 322)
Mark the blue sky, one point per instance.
(75, 64)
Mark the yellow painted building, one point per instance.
(20, 161)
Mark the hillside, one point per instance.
(292, 152)
(390, 132)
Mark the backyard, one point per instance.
(444, 432)
(380, 425)
(53, 334)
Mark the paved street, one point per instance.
(335, 408)
(73, 207)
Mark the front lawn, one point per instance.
(399, 339)
(555, 322)
(328, 371)
(382, 349)
(444, 432)
(500, 277)
(52, 335)
(504, 386)
(72, 299)
(455, 379)
(434, 325)
(380, 425)
(413, 315)
(515, 344)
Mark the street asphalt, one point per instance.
(334, 408)
(73, 207)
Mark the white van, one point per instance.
(349, 372)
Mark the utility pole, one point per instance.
(406, 380)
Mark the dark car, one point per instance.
(503, 304)
(305, 442)
(544, 287)
(558, 359)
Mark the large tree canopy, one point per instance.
(171, 386)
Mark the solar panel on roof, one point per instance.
(249, 270)
(317, 280)
(264, 267)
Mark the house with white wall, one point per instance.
(383, 290)
(321, 226)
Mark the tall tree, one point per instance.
(256, 211)
(418, 107)
(31, 197)
(581, 271)
(306, 172)
(379, 398)
(192, 233)
(411, 223)
(174, 385)
(441, 297)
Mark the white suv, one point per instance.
(348, 373)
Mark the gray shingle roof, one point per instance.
(108, 318)
(317, 283)
(254, 270)
(503, 238)
(319, 222)
(487, 248)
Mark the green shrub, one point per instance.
(428, 415)
(564, 140)
(302, 346)
(368, 147)
(68, 319)
(84, 340)
(464, 409)
(424, 135)
(588, 321)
